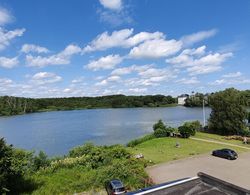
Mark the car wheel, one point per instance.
(228, 158)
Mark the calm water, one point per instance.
(57, 132)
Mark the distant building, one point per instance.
(182, 98)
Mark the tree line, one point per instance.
(196, 100)
(10, 105)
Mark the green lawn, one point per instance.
(163, 149)
(219, 138)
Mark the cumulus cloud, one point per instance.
(122, 38)
(112, 4)
(188, 81)
(197, 62)
(232, 75)
(5, 16)
(5, 81)
(155, 49)
(28, 48)
(58, 59)
(8, 62)
(236, 81)
(107, 62)
(42, 78)
(7, 36)
(113, 78)
(114, 12)
(197, 37)
(130, 69)
(138, 90)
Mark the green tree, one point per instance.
(159, 125)
(228, 112)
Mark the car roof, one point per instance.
(116, 183)
(226, 149)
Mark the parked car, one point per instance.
(225, 153)
(114, 187)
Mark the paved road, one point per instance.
(235, 171)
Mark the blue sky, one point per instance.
(133, 47)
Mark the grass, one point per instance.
(220, 138)
(160, 150)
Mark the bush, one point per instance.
(140, 140)
(186, 130)
(166, 132)
(159, 125)
(193, 126)
(245, 132)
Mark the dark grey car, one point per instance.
(225, 153)
(114, 187)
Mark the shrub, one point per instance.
(140, 140)
(186, 131)
(193, 126)
(159, 125)
(164, 132)
(245, 132)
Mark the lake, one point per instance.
(57, 132)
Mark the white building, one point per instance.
(182, 98)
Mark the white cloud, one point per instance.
(151, 77)
(112, 4)
(197, 62)
(197, 37)
(138, 90)
(5, 81)
(155, 49)
(8, 62)
(232, 75)
(58, 59)
(78, 80)
(5, 16)
(236, 81)
(122, 38)
(107, 62)
(191, 80)
(42, 78)
(130, 69)
(203, 69)
(7, 36)
(113, 78)
(27, 48)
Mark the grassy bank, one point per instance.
(160, 150)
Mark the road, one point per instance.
(235, 171)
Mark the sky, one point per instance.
(65, 48)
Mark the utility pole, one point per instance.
(204, 114)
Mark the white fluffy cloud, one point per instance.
(232, 75)
(5, 16)
(42, 78)
(113, 78)
(8, 62)
(188, 81)
(197, 62)
(58, 59)
(107, 62)
(112, 4)
(130, 69)
(155, 49)
(27, 48)
(122, 38)
(197, 37)
(7, 36)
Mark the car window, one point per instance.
(120, 189)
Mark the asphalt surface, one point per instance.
(234, 171)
